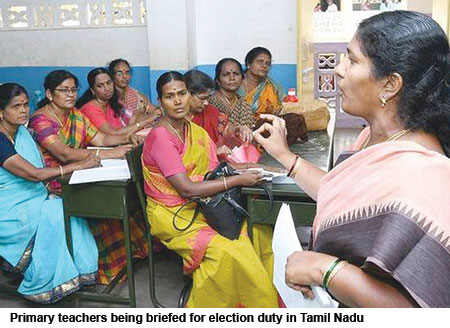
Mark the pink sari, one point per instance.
(386, 209)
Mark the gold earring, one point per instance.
(383, 102)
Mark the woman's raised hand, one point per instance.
(275, 144)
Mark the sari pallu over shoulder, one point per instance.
(32, 235)
(386, 209)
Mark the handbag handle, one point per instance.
(193, 217)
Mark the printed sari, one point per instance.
(131, 104)
(240, 114)
(213, 121)
(32, 235)
(265, 98)
(386, 209)
(225, 273)
(78, 132)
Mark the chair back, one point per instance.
(137, 177)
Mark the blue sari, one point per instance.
(32, 235)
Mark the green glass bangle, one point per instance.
(327, 274)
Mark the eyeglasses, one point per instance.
(68, 91)
(203, 98)
(122, 73)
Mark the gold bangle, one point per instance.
(296, 167)
(128, 136)
(333, 273)
(61, 171)
(225, 183)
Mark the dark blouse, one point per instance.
(6, 148)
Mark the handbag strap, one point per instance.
(193, 217)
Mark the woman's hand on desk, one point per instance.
(90, 161)
(117, 152)
(247, 179)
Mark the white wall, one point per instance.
(73, 47)
(183, 34)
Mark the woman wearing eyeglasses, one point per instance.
(262, 93)
(63, 132)
(209, 117)
(135, 104)
(101, 105)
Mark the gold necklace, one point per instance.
(393, 137)
(176, 132)
(231, 105)
(54, 114)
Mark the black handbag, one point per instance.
(224, 211)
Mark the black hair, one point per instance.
(166, 78)
(219, 69)
(255, 52)
(414, 46)
(52, 81)
(8, 91)
(88, 95)
(198, 82)
(112, 65)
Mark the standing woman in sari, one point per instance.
(228, 79)
(381, 232)
(134, 104)
(32, 234)
(63, 132)
(263, 94)
(101, 105)
(225, 273)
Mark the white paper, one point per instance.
(275, 177)
(285, 242)
(112, 169)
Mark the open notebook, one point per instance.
(111, 169)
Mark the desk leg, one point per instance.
(249, 220)
(130, 273)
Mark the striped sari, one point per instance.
(225, 273)
(386, 209)
(77, 132)
(265, 98)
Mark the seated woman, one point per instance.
(228, 79)
(207, 116)
(262, 93)
(100, 104)
(32, 234)
(384, 208)
(225, 273)
(135, 104)
(63, 132)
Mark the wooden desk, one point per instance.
(318, 150)
(107, 200)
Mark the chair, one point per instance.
(135, 165)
